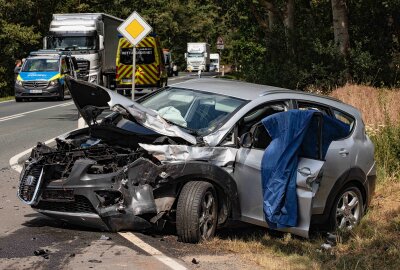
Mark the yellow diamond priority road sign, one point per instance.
(135, 28)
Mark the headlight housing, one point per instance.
(18, 82)
(53, 82)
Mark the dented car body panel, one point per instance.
(126, 171)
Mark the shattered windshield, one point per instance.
(194, 110)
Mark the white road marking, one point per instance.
(152, 251)
(10, 117)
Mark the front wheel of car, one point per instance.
(348, 209)
(196, 215)
(18, 99)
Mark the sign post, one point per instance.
(134, 29)
(220, 47)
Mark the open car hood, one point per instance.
(91, 100)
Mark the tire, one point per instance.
(346, 215)
(196, 214)
(18, 99)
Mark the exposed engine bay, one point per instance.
(88, 172)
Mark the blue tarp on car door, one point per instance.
(294, 133)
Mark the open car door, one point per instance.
(247, 175)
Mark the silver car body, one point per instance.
(355, 151)
(349, 160)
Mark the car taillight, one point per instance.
(116, 73)
(158, 70)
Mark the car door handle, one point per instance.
(304, 171)
(343, 152)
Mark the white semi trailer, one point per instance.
(198, 56)
(93, 40)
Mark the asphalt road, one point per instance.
(23, 231)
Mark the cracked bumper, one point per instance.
(102, 201)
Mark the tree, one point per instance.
(341, 26)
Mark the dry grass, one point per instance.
(375, 243)
(378, 106)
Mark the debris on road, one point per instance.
(103, 237)
(194, 261)
(42, 252)
(94, 261)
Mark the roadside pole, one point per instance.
(220, 47)
(134, 29)
(133, 71)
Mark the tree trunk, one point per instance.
(271, 11)
(288, 15)
(341, 26)
(288, 22)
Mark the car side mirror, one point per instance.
(246, 140)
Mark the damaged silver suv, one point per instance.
(197, 154)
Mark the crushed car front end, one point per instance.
(107, 187)
(110, 177)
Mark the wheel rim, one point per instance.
(348, 210)
(208, 215)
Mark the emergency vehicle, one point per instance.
(42, 75)
(150, 68)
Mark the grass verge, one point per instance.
(6, 98)
(374, 244)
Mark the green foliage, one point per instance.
(387, 151)
(302, 57)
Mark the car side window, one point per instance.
(344, 118)
(312, 106)
(251, 122)
(261, 138)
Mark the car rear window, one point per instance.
(144, 55)
(344, 118)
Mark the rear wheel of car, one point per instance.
(196, 215)
(347, 210)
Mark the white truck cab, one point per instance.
(198, 56)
